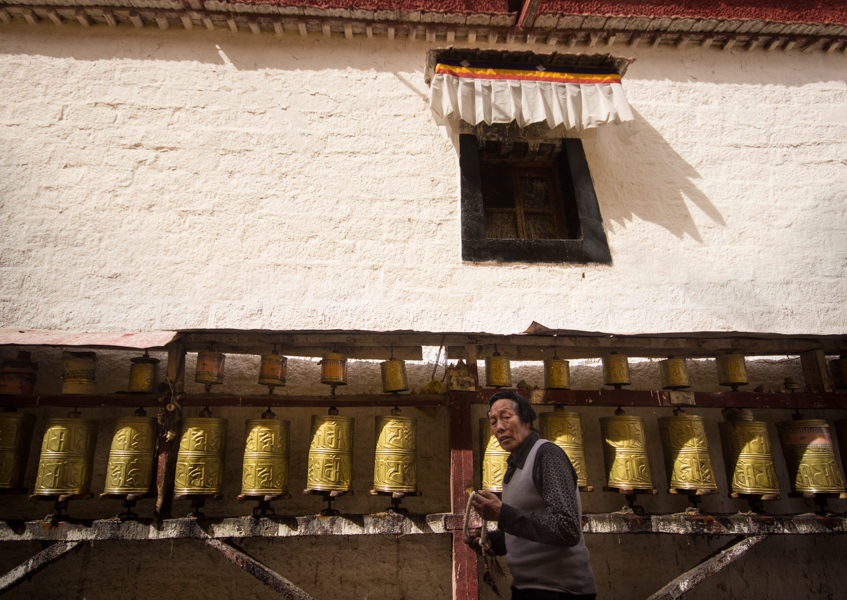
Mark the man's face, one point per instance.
(506, 426)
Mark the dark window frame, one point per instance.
(589, 244)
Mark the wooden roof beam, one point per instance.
(528, 13)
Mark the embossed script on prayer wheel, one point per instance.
(394, 376)
(616, 370)
(674, 374)
(732, 370)
(330, 466)
(200, 460)
(395, 463)
(17, 375)
(565, 430)
(625, 452)
(15, 437)
(144, 375)
(747, 457)
(493, 458)
(557, 374)
(272, 370)
(67, 456)
(130, 468)
(498, 371)
(686, 451)
(78, 373)
(266, 450)
(334, 369)
(807, 447)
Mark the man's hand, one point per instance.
(473, 541)
(487, 504)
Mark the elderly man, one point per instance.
(540, 517)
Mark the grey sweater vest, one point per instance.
(543, 566)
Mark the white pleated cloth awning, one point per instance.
(577, 98)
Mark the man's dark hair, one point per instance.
(525, 412)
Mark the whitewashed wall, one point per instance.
(166, 180)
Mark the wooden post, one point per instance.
(465, 574)
(170, 413)
(815, 372)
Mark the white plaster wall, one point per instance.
(155, 180)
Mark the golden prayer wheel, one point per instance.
(557, 374)
(210, 369)
(266, 452)
(17, 376)
(686, 450)
(807, 448)
(498, 371)
(15, 437)
(565, 430)
(333, 369)
(493, 458)
(67, 457)
(616, 370)
(674, 374)
(732, 370)
(144, 374)
(838, 368)
(625, 452)
(395, 463)
(394, 376)
(747, 456)
(130, 467)
(272, 370)
(78, 372)
(330, 466)
(200, 460)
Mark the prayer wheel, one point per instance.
(17, 375)
(200, 460)
(333, 369)
(498, 371)
(130, 467)
(210, 369)
(395, 463)
(557, 374)
(686, 450)
(78, 373)
(616, 370)
(565, 430)
(674, 374)
(838, 368)
(330, 466)
(493, 459)
(747, 455)
(67, 457)
(394, 376)
(15, 437)
(266, 451)
(272, 370)
(625, 452)
(144, 375)
(807, 448)
(732, 370)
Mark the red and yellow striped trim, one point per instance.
(530, 73)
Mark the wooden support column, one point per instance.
(815, 372)
(258, 570)
(38, 562)
(465, 574)
(707, 568)
(167, 443)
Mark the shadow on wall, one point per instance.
(647, 180)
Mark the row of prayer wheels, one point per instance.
(732, 372)
(67, 455)
(17, 376)
(806, 446)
